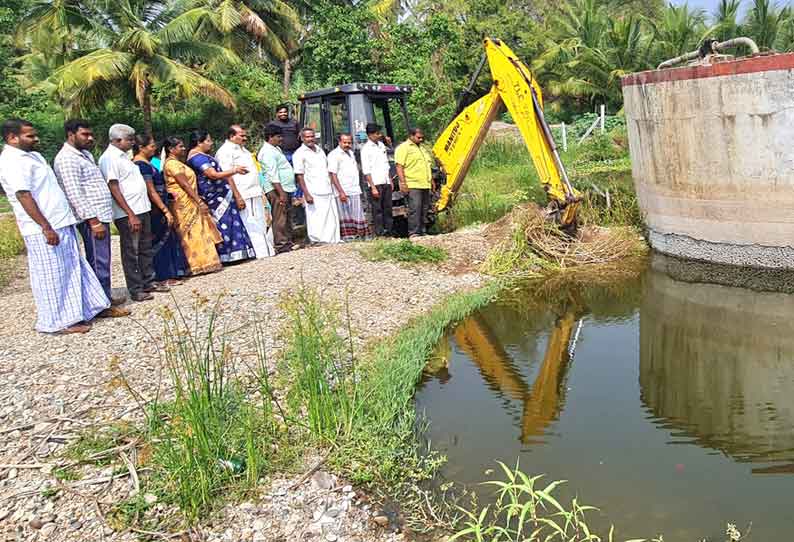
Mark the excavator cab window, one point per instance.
(339, 117)
(312, 117)
(392, 115)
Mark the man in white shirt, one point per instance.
(66, 291)
(343, 169)
(92, 205)
(234, 154)
(376, 169)
(131, 213)
(311, 169)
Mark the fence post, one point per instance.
(603, 115)
(564, 137)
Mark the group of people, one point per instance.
(182, 211)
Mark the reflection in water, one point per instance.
(544, 401)
(716, 363)
(678, 385)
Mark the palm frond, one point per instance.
(189, 82)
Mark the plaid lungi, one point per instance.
(352, 222)
(64, 286)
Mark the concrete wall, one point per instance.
(712, 151)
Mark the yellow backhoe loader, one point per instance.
(515, 88)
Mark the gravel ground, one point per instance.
(52, 388)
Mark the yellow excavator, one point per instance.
(515, 88)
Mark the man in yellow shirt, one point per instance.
(414, 170)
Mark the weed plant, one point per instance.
(11, 245)
(325, 383)
(403, 252)
(526, 510)
(210, 437)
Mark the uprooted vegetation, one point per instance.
(526, 243)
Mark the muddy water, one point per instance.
(666, 401)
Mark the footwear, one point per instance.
(157, 287)
(76, 328)
(115, 301)
(114, 312)
(141, 296)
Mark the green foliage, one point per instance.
(11, 245)
(211, 436)
(527, 510)
(402, 251)
(325, 383)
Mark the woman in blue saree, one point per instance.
(218, 191)
(170, 264)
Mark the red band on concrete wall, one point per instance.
(766, 63)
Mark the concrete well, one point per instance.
(712, 150)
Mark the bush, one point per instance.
(403, 251)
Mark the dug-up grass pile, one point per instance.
(537, 244)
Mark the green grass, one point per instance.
(503, 175)
(5, 207)
(11, 246)
(402, 251)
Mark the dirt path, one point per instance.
(54, 387)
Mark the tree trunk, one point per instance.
(147, 110)
(287, 77)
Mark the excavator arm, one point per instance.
(514, 88)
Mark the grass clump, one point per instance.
(211, 436)
(403, 251)
(11, 245)
(527, 510)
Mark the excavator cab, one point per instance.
(349, 108)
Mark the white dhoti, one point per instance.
(322, 220)
(64, 286)
(260, 233)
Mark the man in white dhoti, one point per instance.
(311, 169)
(67, 293)
(233, 154)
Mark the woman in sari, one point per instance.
(192, 219)
(219, 192)
(169, 260)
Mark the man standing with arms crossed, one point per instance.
(233, 154)
(66, 291)
(311, 168)
(90, 200)
(414, 169)
(376, 170)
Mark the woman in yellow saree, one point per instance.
(192, 220)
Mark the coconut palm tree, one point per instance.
(766, 22)
(726, 19)
(679, 30)
(129, 47)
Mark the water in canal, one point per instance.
(666, 400)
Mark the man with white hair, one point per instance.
(131, 211)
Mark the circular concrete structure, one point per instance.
(712, 150)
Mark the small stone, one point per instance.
(332, 512)
(76, 525)
(347, 489)
(46, 469)
(150, 499)
(12, 474)
(331, 537)
(280, 492)
(4, 512)
(323, 480)
(48, 529)
(36, 523)
(259, 525)
(383, 521)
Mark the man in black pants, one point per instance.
(375, 167)
(415, 171)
